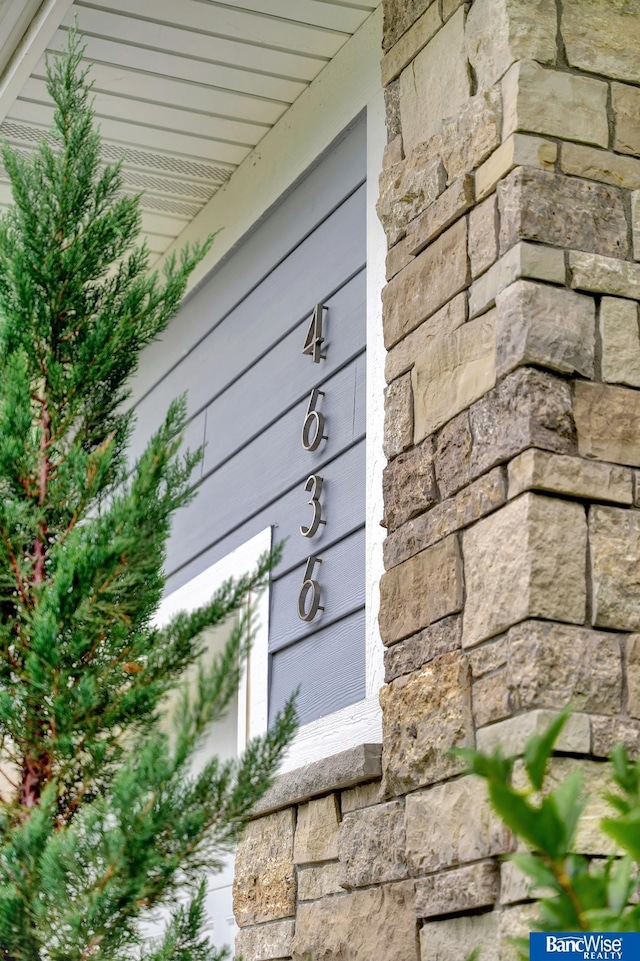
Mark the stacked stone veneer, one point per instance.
(511, 202)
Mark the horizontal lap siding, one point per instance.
(334, 658)
(248, 389)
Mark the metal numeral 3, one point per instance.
(314, 486)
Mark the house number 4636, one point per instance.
(311, 437)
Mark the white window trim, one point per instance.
(349, 84)
(253, 692)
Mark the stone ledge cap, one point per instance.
(344, 770)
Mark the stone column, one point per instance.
(511, 203)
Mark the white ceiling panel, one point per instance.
(346, 17)
(141, 32)
(184, 90)
(223, 22)
(181, 119)
(158, 63)
(136, 134)
(200, 98)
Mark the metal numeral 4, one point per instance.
(314, 340)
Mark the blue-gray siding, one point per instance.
(236, 347)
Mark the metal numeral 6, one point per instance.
(309, 587)
(313, 424)
(314, 486)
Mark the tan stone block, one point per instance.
(518, 150)
(608, 422)
(469, 136)
(436, 84)
(546, 326)
(409, 485)
(515, 922)
(538, 100)
(483, 236)
(457, 938)
(514, 884)
(632, 662)
(317, 882)
(522, 260)
(620, 335)
(371, 845)
(361, 796)
(460, 368)
(406, 188)
(402, 357)
(614, 540)
(529, 408)
(595, 164)
(391, 97)
(433, 278)
(552, 665)
(463, 889)
(398, 417)
(399, 17)
(478, 499)
(512, 735)
(560, 474)
(562, 211)
(393, 152)
(626, 110)
(490, 657)
(454, 445)
(266, 942)
(449, 7)
(526, 560)
(635, 223)
(444, 211)
(264, 886)
(424, 715)
(452, 824)
(410, 44)
(413, 653)
(499, 32)
(316, 837)
(604, 275)
(422, 590)
(376, 923)
(602, 36)
(490, 699)
(397, 259)
(606, 732)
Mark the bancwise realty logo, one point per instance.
(584, 947)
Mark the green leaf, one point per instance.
(569, 805)
(620, 885)
(625, 831)
(539, 827)
(539, 748)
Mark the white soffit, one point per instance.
(185, 91)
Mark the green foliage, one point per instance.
(104, 817)
(575, 893)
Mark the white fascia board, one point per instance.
(29, 49)
(343, 88)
